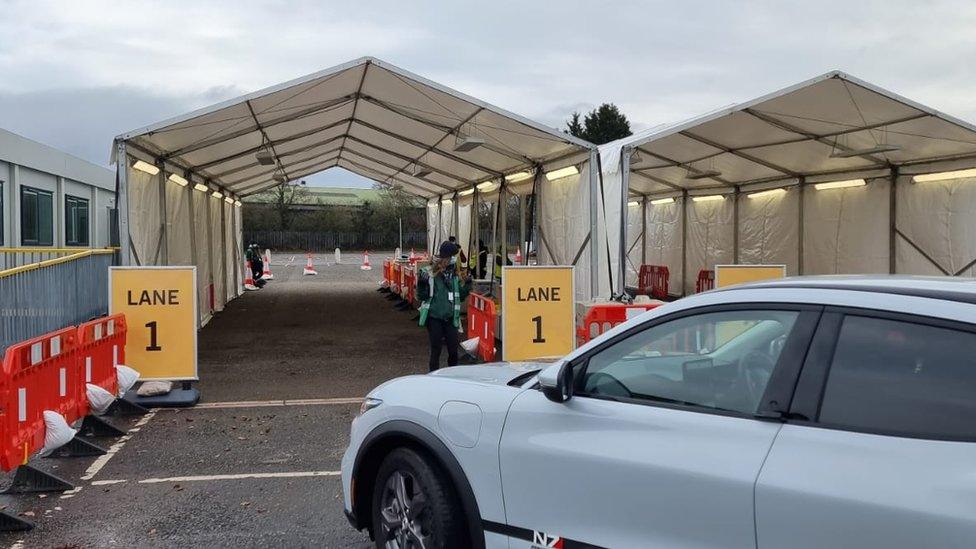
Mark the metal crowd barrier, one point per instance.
(61, 291)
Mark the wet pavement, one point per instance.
(253, 465)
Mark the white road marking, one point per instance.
(103, 460)
(107, 482)
(274, 403)
(294, 474)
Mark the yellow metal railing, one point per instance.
(62, 255)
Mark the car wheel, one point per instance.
(414, 506)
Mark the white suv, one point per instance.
(807, 412)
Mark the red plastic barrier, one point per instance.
(388, 272)
(481, 323)
(653, 280)
(705, 282)
(396, 280)
(601, 318)
(38, 374)
(101, 347)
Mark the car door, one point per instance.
(659, 446)
(882, 448)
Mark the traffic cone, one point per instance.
(266, 275)
(338, 256)
(309, 270)
(518, 256)
(248, 280)
(365, 266)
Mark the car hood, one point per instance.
(496, 373)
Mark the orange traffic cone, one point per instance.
(309, 270)
(365, 266)
(518, 256)
(248, 280)
(266, 275)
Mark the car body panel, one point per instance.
(831, 488)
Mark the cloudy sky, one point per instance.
(75, 73)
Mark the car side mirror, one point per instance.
(556, 381)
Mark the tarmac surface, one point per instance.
(256, 463)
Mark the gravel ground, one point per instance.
(301, 337)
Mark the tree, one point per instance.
(601, 125)
(285, 197)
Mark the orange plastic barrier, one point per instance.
(481, 323)
(38, 374)
(101, 347)
(705, 282)
(388, 272)
(410, 283)
(653, 281)
(601, 318)
(396, 280)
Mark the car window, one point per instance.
(901, 377)
(720, 360)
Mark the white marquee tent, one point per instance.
(831, 176)
(181, 179)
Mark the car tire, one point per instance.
(414, 501)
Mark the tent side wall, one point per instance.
(164, 223)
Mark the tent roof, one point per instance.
(831, 124)
(367, 116)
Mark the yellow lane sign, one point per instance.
(538, 319)
(730, 275)
(160, 309)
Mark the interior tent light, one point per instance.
(228, 200)
(146, 167)
(201, 187)
(659, 201)
(237, 203)
(486, 186)
(218, 194)
(943, 176)
(178, 179)
(840, 184)
(562, 172)
(770, 192)
(518, 176)
(633, 203)
(858, 152)
(708, 198)
(466, 193)
(445, 201)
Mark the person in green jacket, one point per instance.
(442, 292)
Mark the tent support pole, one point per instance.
(684, 241)
(457, 219)
(521, 242)
(893, 222)
(503, 221)
(121, 203)
(802, 188)
(193, 245)
(223, 251)
(473, 243)
(736, 195)
(643, 230)
(163, 222)
(622, 245)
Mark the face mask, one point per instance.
(454, 260)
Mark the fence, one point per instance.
(326, 241)
(11, 258)
(43, 297)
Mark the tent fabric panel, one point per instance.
(928, 137)
(206, 126)
(710, 238)
(433, 225)
(383, 173)
(415, 96)
(145, 225)
(230, 241)
(740, 129)
(769, 230)
(178, 226)
(464, 225)
(201, 215)
(217, 253)
(663, 241)
(519, 139)
(940, 218)
(679, 148)
(809, 157)
(846, 231)
(564, 211)
(634, 238)
(446, 220)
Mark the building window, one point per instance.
(75, 221)
(36, 217)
